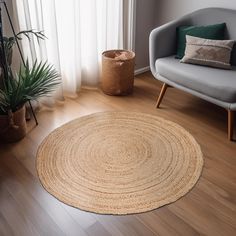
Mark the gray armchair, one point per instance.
(214, 85)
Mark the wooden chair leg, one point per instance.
(161, 95)
(230, 124)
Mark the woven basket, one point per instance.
(118, 72)
(13, 126)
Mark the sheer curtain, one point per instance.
(77, 32)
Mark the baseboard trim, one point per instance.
(141, 70)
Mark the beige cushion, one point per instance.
(215, 53)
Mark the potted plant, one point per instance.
(30, 83)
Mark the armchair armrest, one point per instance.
(162, 41)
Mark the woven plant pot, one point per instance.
(13, 126)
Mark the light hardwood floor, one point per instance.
(209, 209)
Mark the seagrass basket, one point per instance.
(118, 72)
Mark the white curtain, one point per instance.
(77, 32)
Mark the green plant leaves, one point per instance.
(29, 84)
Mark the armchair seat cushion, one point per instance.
(216, 83)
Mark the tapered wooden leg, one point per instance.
(161, 95)
(230, 124)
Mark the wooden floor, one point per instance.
(209, 209)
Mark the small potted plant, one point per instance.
(30, 83)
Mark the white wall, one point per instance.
(145, 22)
(172, 9)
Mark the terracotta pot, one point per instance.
(13, 126)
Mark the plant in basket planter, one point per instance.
(30, 83)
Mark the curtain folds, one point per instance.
(77, 32)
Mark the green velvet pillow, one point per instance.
(214, 32)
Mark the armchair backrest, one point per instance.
(210, 16)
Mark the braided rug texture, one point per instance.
(119, 162)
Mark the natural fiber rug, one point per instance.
(119, 162)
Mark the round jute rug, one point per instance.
(119, 162)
